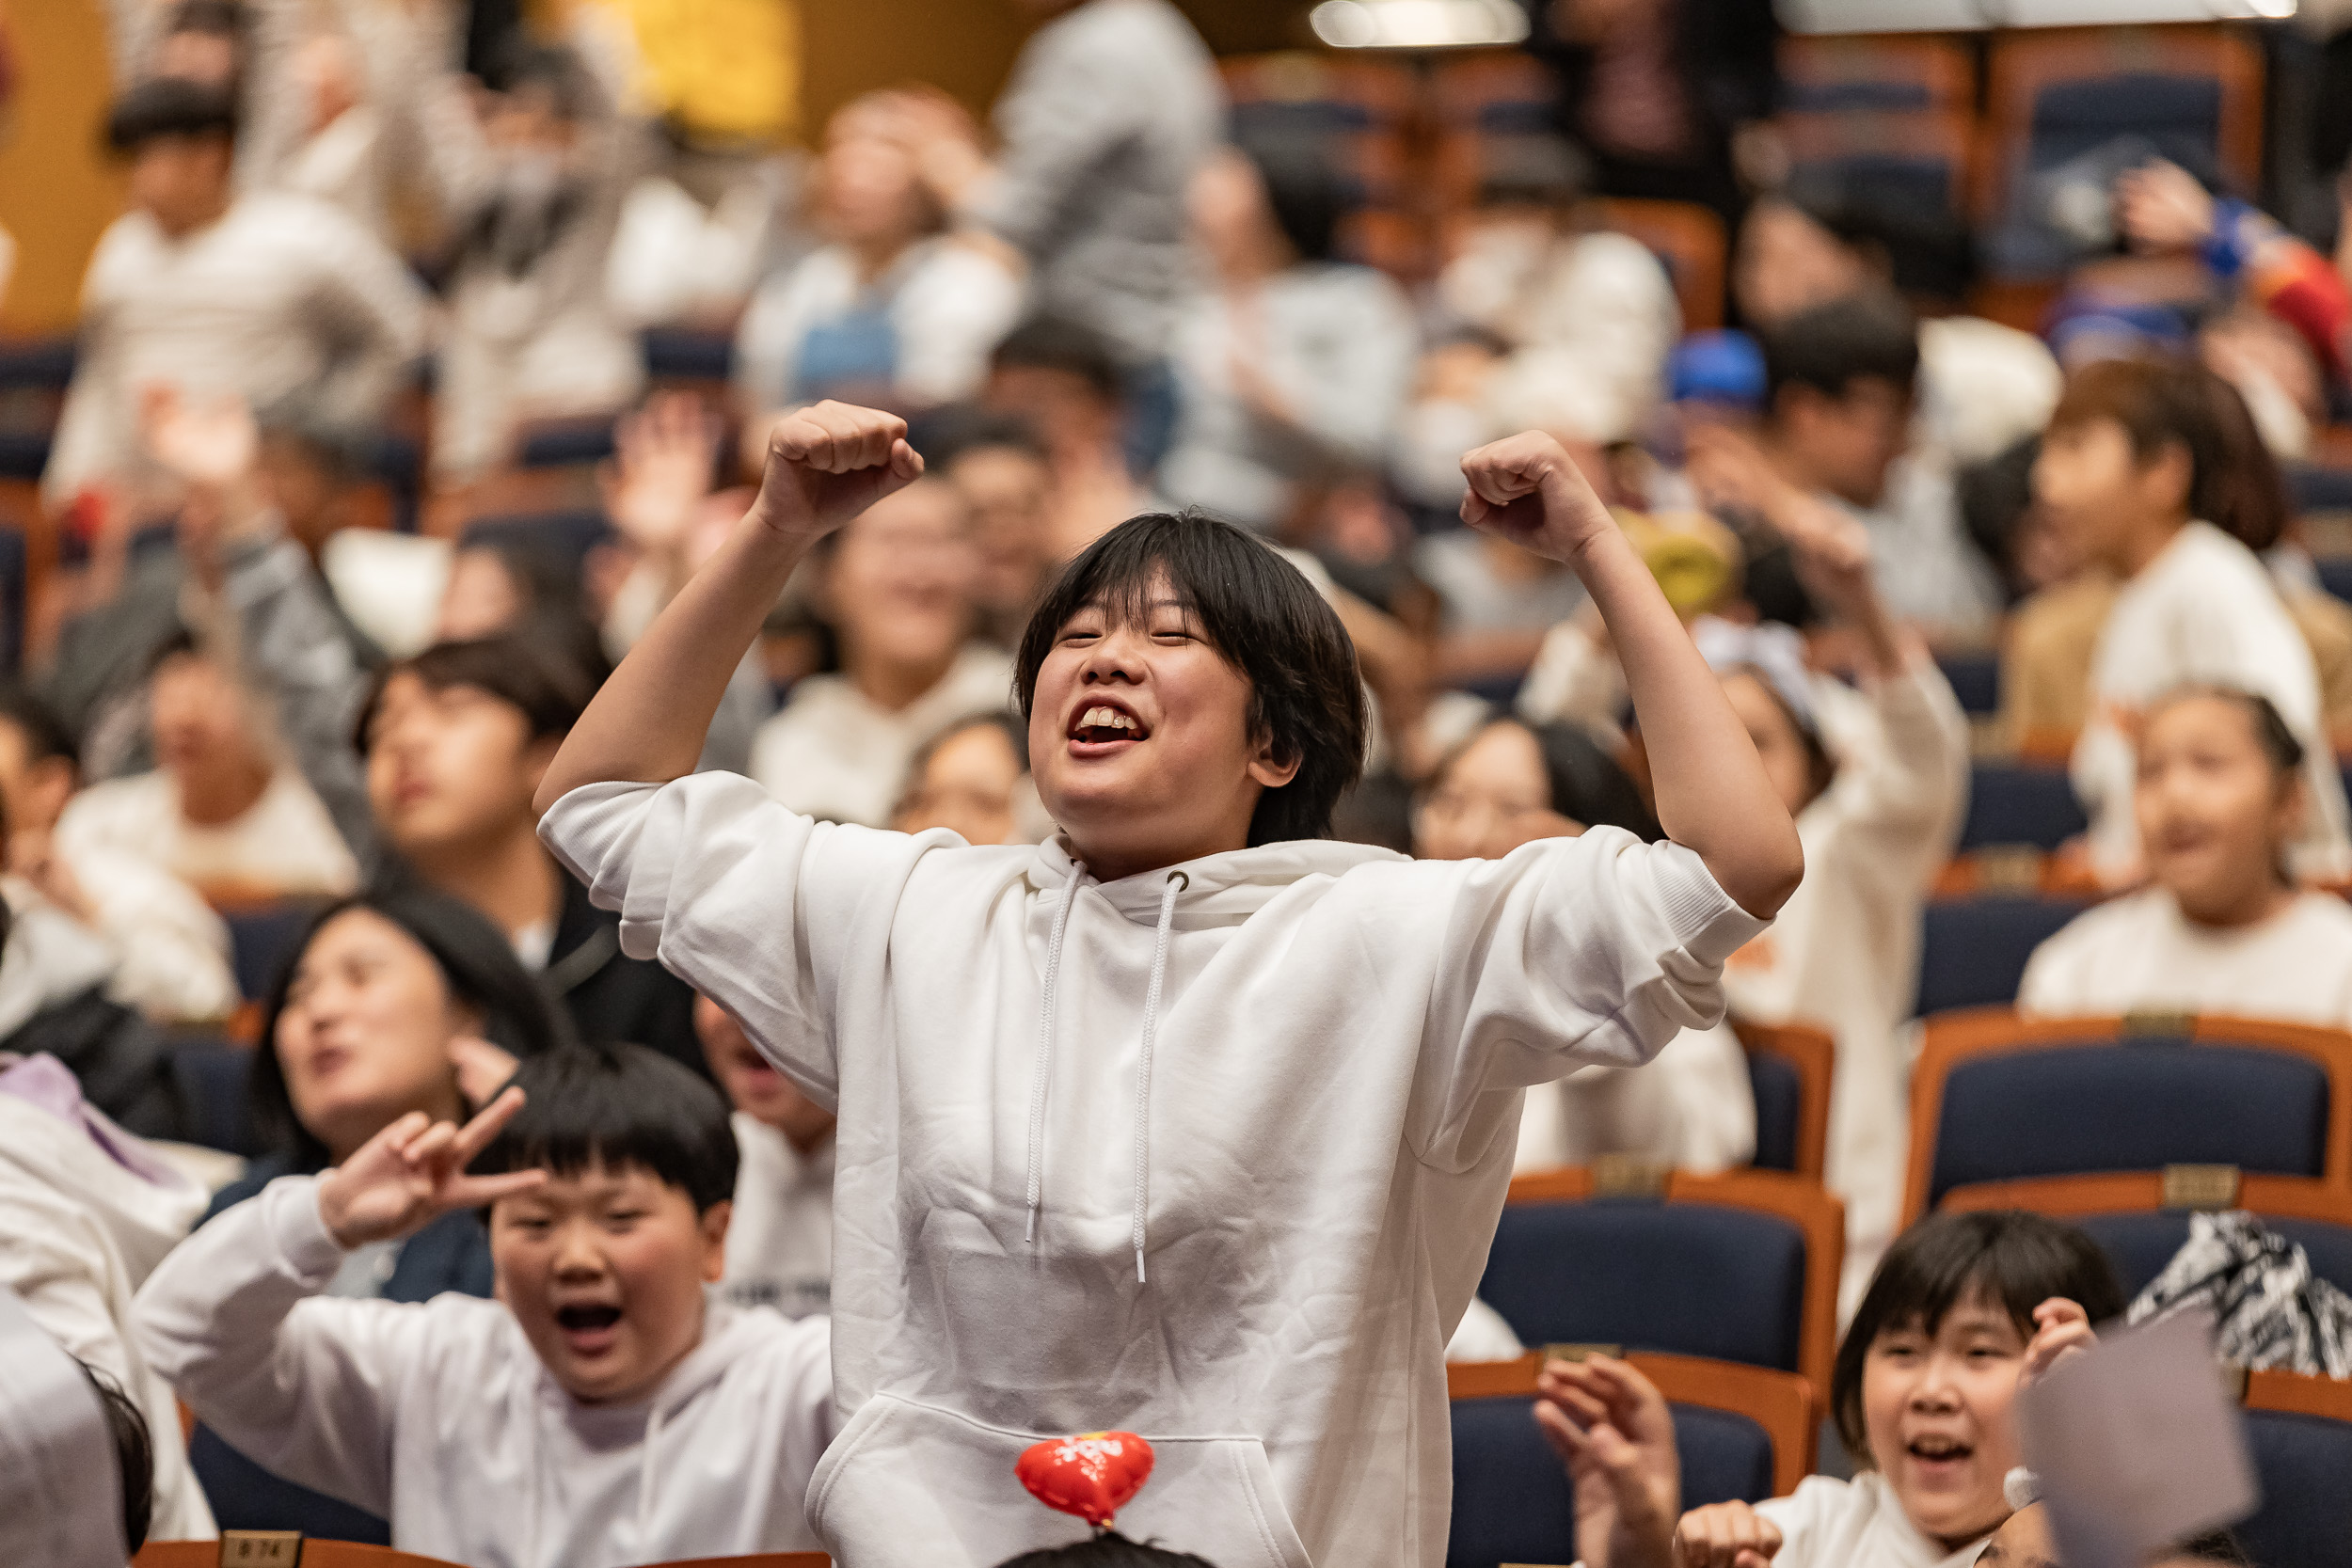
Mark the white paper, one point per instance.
(2137, 1444)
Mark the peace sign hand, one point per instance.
(413, 1172)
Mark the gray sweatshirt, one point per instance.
(1111, 107)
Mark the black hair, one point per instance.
(1106, 1549)
(521, 672)
(1584, 781)
(1996, 495)
(946, 435)
(220, 18)
(46, 735)
(619, 1105)
(170, 107)
(133, 1445)
(555, 69)
(1920, 249)
(1057, 343)
(2281, 747)
(555, 612)
(1254, 608)
(1833, 345)
(1303, 194)
(477, 963)
(2216, 1546)
(2011, 1259)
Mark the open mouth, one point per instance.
(1103, 727)
(1938, 1454)
(589, 1330)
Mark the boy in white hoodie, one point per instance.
(1186, 1121)
(606, 1409)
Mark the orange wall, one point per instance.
(56, 192)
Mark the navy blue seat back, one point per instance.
(2018, 803)
(1689, 1278)
(1973, 951)
(2335, 575)
(212, 1076)
(2130, 1106)
(2302, 1462)
(566, 444)
(246, 1496)
(1512, 1501)
(261, 942)
(1779, 1111)
(1976, 680)
(2141, 1243)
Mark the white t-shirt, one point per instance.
(284, 842)
(2204, 610)
(1855, 1524)
(832, 753)
(946, 304)
(2142, 953)
(780, 1241)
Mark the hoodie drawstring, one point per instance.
(1177, 882)
(1043, 1069)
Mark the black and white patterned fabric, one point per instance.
(2270, 1312)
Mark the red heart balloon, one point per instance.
(1091, 1475)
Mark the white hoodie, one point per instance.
(79, 1231)
(1212, 1153)
(440, 1417)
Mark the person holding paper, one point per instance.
(1965, 1309)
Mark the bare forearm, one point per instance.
(647, 724)
(1713, 796)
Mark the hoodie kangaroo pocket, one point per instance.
(910, 1485)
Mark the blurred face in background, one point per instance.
(1788, 263)
(2100, 498)
(1495, 782)
(1005, 490)
(482, 598)
(751, 1083)
(326, 76)
(1936, 1406)
(199, 720)
(2215, 813)
(1780, 745)
(453, 768)
(870, 194)
(900, 585)
(1229, 217)
(1845, 444)
(364, 1036)
(182, 182)
(966, 784)
(1066, 410)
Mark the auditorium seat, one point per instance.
(262, 937)
(1843, 72)
(1739, 1267)
(1789, 1067)
(213, 1076)
(2012, 802)
(1740, 1432)
(1972, 949)
(246, 1496)
(2300, 1431)
(1976, 680)
(1998, 1098)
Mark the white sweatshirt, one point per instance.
(1283, 1083)
(1692, 1107)
(2204, 611)
(780, 1237)
(1826, 1523)
(79, 1231)
(1844, 953)
(440, 1417)
(2140, 953)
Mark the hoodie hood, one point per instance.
(1220, 889)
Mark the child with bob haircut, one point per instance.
(2151, 470)
(1965, 1309)
(1187, 1121)
(2222, 926)
(606, 1409)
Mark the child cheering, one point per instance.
(1186, 1121)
